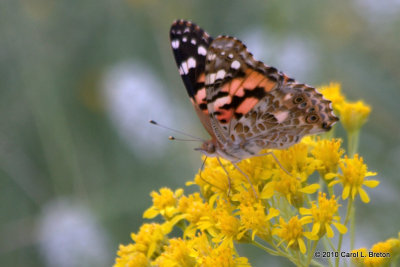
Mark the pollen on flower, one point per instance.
(354, 172)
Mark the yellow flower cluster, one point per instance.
(273, 202)
(380, 254)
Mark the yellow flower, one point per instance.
(209, 255)
(352, 178)
(221, 225)
(128, 256)
(296, 160)
(380, 254)
(292, 233)
(177, 253)
(328, 153)
(333, 93)
(290, 187)
(323, 215)
(193, 208)
(148, 245)
(353, 115)
(213, 180)
(164, 203)
(223, 256)
(254, 218)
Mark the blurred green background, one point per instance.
(79, 81)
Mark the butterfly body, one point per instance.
(245, 105)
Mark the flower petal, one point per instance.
(329, 231)
(371, 183)
(310, 189)
(340, 227)
(302, 246)
(346, 192)
(363, 195)
(315, 229)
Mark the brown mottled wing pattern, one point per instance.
(252, 106)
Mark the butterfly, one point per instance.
(245, 105)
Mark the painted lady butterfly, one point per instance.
(245, 105)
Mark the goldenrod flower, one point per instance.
(289, 187)
(323, 216)
(207, 255)
(213, 180)
(380, 254)
(353, 115)
(164, 203)
(333, 93)
(148, 244)
(352, 178)
(297, 161)
(193, 208)
(177, 253)
(254, 218)
(221, 224)
(292, 233)
(328, 153)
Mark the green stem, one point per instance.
(352, 227)
(346, 220)
(277, 252)
(311, 253)
(352, 143)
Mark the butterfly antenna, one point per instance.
(173, 138)
(177, 131)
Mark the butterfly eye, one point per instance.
(312, 118)
(298, 99)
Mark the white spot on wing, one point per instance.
(222, 101)
(210, 78)
(235, 65)
(201, 50)
(175, 44)
(220, 74)
(184, 68)
(184, 39)
(193, 41)
(281, 116)
(230, 55)
(191, 63)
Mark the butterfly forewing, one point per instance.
(190, 44)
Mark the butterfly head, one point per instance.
(209, 148)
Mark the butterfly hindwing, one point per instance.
(256, 106)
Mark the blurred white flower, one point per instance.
(378, 11)
(295, 56)
(70, 236)
(134, 95)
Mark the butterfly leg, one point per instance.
(247, 177)
(278, 162)
(229, 178)
(201, 169)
